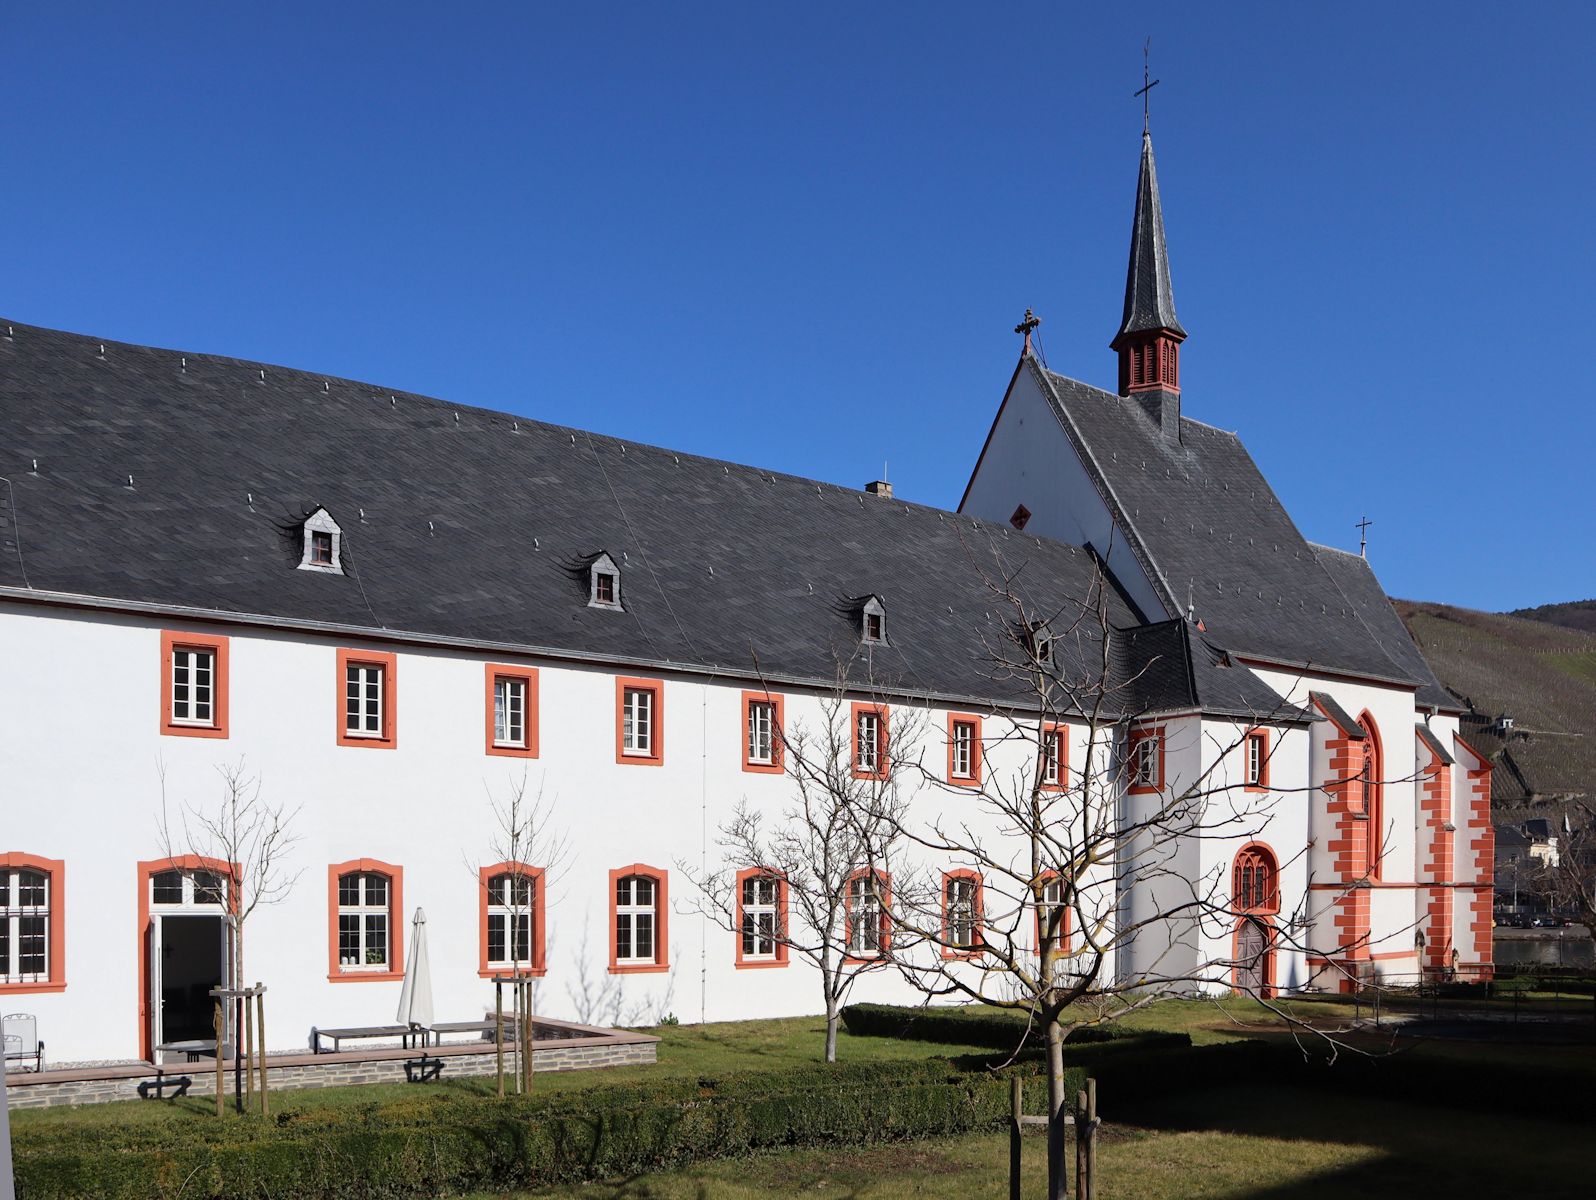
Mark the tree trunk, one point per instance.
(832, 1019)
(1057, 1108)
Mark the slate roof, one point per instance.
(1349, 725)
(1210, 531)
(1149, 295)
(1442, 754)
(467, 525)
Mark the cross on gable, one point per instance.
(1147, 83)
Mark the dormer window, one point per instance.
(604, 583)
(1039, 643)
(874, 621)
(323, 544)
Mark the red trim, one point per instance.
(1262, 737)
(977, 758)
(1268, 955)
(217, 644)
(885, 892)
(1261, 856)
(388, 739)
(656, 746)
(979, 898)
(396, 920)
(1062, 732)
(883, 740)
(1374, 831)
(539, 912)
(745, 964)
(177, 862)
(662, 912)
(1066, 922)
(1141, 735)
(55, 929)
(775, 700)
(492, 673)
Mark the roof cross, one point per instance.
(1363, 537)
(1147, 83)
(1027, 327)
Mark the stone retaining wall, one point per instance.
(56, 1088)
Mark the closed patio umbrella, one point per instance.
(415, 998)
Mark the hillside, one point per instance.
(1541, 674)
(1575, 614)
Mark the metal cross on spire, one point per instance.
(1148, 83)
(1363, 537)
(1027, 327)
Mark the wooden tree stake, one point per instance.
(260, 1037)
(221, 1025)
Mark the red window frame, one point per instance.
(884, 936)
(977, 903)
(493, 672)
(1060, 731)
(217, 645)
(54, 869)
(396, 920)
(662, 909)
(1260, 737)
(1066, 925)
(776, 764)
(781, 959)
(883, 740)
(388, 739)
(1137, 736)
(973, 779)
(485, 877)
(1256, 857)
(656, 746)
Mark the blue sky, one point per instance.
(799, 236)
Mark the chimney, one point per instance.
(880, 487)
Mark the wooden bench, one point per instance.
(404, 1033)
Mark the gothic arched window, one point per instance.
(1255, 884)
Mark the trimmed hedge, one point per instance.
(452, 1143)
(964, 1026)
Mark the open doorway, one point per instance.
(191, 964)
(184, 955)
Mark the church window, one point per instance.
(1255, 884)
(1371, 787)
(640, 734)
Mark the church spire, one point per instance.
(1149, 337)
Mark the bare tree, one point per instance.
(820, 875)
(1573, 880)
(534, 853)
(245, 835)
(1061, 878)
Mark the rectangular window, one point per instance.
(1257, 768)
(1053, 756)
(760, 894)
(193, 685)
(362, 922)
(604, 588)
(866, 924)
(363, 688)
(961, 913)
(761, 733)
(1053, 914)
(964, 749)
(509, 712)
(870, 741)
(321, 546)
(639, 721)
(1146, 761)
(367, 715)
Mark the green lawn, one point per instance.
(1212, 1139)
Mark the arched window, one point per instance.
(868, 934)
(1371, 785)
(366, 906)
(29, 923)
(512, 919)
(761, 918)
(1255, 884)
(639, 917)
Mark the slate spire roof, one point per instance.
(1149, 296)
